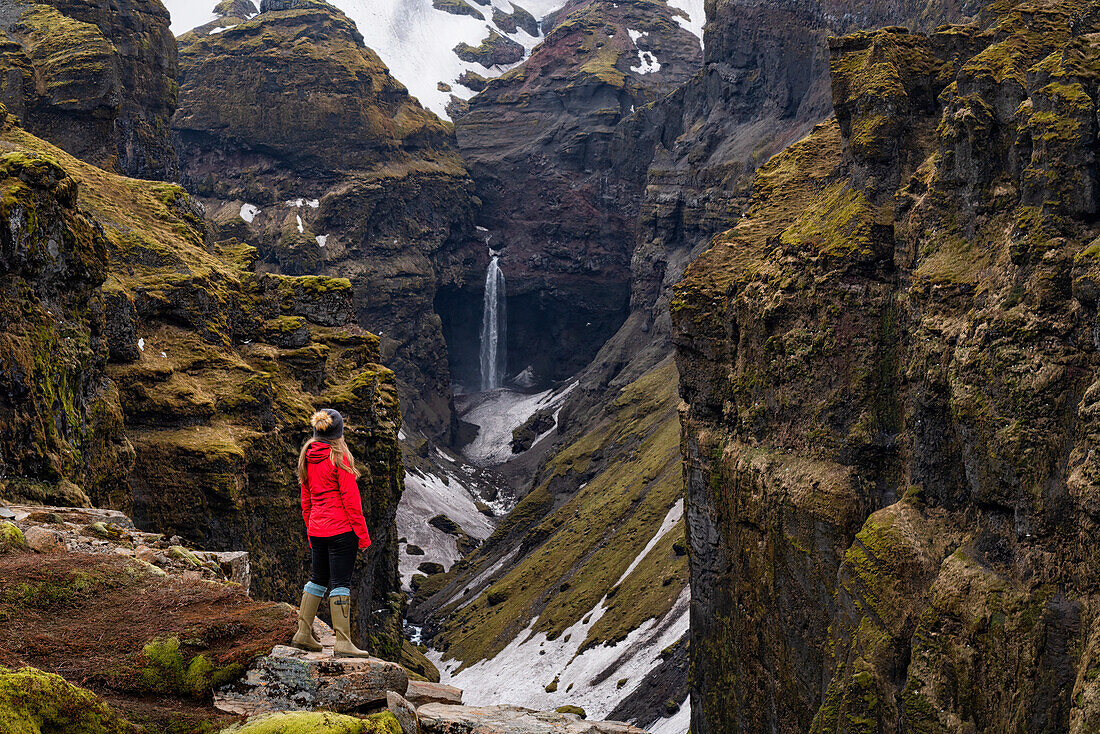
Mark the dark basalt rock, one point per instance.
(458, 7)
(495, 50)
(891, 383)
(147, 367)
(518, 19)
(95, 77)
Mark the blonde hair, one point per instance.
(340, 454)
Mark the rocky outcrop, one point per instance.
(56, 530)
(890, 368)
(300, 142)
(175, 636)
(295, 680)
(96, 78)
(148, 367)
(558, 197)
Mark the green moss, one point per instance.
(836, 225)
(33, 702)
(318, 723)
(73, 58)
(166, 671)
(11, 537)
(576, 710)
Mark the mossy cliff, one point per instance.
(890, 372)
(547, 128)
(299, 141)
(149, 368)
(98, 78)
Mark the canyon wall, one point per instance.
(299, 141)
(557, 194)
(150, 364)
(98, 78)
(889, 367)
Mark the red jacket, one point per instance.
(331, 504)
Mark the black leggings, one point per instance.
(334, 560)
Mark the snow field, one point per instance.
(425, 496)
(499, 412)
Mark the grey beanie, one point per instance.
(328, 425)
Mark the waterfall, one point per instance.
(494, 321)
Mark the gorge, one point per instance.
(715, 367)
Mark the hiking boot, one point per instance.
(340, 606)
(307, 610)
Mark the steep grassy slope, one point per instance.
(148, 368)
(572, 568)
(890, 368)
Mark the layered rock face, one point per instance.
(890, 368)
(300, 142)
(150, 368)
(97, 78)
(559, 197)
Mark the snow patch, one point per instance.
(141, 345)
(428, 495)
(486, 575)
(520, 673)
(678, 723)
(697, 16)
(673, 517)
(647, 63)
(499, 412)
(322, 240)
(249, 212)
(414, 39)
(219, 29)
(636, 35)
(301, 227)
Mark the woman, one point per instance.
(333, 512)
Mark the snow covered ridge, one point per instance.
(416, 39)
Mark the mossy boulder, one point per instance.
(34, 702)
(318, 723)
(494, 50)
(11, 538)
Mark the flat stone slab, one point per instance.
(295, 680)
(440, 718)
(422, 692)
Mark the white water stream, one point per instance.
(494, 336)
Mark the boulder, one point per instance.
(44, 540)
(438, 718)
(234, 564)
(11, 537)
(296, 680)
(403, 711)
(423, 692)
(317, 722)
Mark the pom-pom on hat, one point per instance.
(328, 425)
